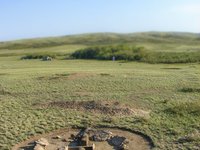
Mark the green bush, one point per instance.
(190, 90)
(37, 56)
(120, 52)
(172, 57)
(124, 52)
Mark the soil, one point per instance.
(62, 138)
(94, 106)
(172, 68)
(72, 76)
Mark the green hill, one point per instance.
(144, 38)
(159, 47)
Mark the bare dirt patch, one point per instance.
(110, 139)
(75, 76)
(112, 108)
(175, 68)
(72, 76)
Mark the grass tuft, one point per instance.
(187, 108)
(190, 90)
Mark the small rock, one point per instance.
(42, 142)
(66, 140)
(126, 141)
(117, 141)
(39, 147)
(100, 135)
(63, 148)
(58, 137)
(124, 147)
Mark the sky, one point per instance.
(21, 19)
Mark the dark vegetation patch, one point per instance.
(172, 57)
(54, 77)
(133, 53)
(187, 108)
(38, 56)
(63, 76)
(90, 106)
(105, 74)
(175, 68)
(120, 52)
(3, 74)
(190, 90)
(192, 137)
(3, 91)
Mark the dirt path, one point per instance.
(135, 141)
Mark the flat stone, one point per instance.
(42, 142)
(38, 147)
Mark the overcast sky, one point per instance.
(41, 18)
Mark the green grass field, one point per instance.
(169, 92)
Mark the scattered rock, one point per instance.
(42, 142)
(63, 148)
(118, 141)
(39, 147)
(99, 135)
(47, 58)
(110, 139)
(58, 137)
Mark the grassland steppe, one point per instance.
(164, 96)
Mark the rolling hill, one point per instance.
(142, 38)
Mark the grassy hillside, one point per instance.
(165, 96)
(169, 44)
(152, 40)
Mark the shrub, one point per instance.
(37, 56)
(121, 52)
(124, 52)
(190, 90)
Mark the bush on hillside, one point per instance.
(121, 52)
(124, 52)
(172, 57)
(37, 56)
